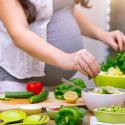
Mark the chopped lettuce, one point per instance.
(113, 71)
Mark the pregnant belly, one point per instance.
(63, 33)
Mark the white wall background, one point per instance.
(99, 14)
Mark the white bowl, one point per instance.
(31, 109)
(93, 100)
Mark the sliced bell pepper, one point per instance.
(70, 116)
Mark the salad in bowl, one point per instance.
(112, 72)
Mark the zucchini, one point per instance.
(19, 95)
(40, 97)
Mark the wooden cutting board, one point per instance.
(51, 101)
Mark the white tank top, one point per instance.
(15, 61)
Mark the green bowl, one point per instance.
(110, 117)
(118, 82)
(35, 120)
(12, 116)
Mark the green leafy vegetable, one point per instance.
(62, 88)
(117, 61)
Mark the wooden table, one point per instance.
(86, 120)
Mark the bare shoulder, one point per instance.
(4, 4)
(9, 6)
(11, 13)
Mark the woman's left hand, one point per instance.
(115, 39)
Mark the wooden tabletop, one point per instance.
(86, 120)
(51, 101)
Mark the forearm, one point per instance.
(28, 41)
(38, 47)
(87, 27)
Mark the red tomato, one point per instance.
(35, 87)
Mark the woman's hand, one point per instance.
(115, 39)
(82, 61)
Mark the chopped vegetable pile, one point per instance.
(113, 71)
(117, 61)
(106, 90)
(116, 109)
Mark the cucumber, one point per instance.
(40, 97)
(19, 95)
(5, 99)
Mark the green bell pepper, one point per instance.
(62, 88)
(70, 116)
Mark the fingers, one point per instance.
(119, 40)
(94, 62)
(123, 38)
(87, 64)
(79, 68)
(85, 67)
(114, 44)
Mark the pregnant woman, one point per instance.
(42, 40)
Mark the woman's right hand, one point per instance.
(82, 61)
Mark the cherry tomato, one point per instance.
(35, 87)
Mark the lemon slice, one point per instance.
(71, 97)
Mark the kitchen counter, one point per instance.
(86, 120)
